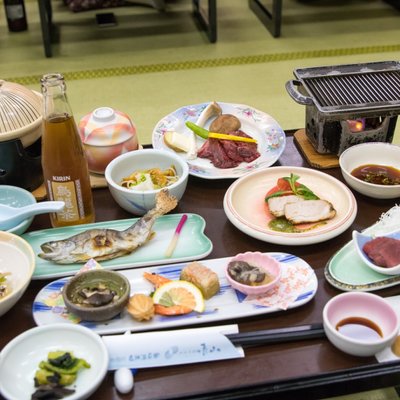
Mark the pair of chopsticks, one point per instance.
(280, 335)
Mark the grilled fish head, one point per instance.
(57, 250)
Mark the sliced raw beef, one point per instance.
(228, 153)
(383, 251)
(240, 151)
(213, 150)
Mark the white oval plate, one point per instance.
(270, 138)
(48, 307)
(244, 205)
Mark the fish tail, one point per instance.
(165, 202)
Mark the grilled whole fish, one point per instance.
(105, 244)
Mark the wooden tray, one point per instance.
(316, 160)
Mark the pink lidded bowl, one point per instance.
(106, 133)
(250, 281)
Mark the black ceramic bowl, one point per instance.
(110, 289)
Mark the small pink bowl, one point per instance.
(364, 305)
(271, 266)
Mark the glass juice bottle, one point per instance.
(65, 168)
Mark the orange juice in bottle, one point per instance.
(65, 168)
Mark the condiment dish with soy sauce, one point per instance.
(376, 154)
(360, 323)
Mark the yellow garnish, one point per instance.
(223, 136)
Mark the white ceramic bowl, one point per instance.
(360, 305)
(263, 261)
(20, 358)
(370, 153)
(360, 240)
(138, 202)
(15, 196)
(17, 258)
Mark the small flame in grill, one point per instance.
(356, 125)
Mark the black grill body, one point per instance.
(337, 94)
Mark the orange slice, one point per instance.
(179, 293)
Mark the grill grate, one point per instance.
(372, 89)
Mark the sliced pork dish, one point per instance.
(294, 204)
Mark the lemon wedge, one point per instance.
(180, 293)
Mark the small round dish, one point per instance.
(269, 265)
(18, 260)
(359, 313)
(15, 196)
(360, 240)
(93, 282)
(138, 202)
(377, 153)
(20, 359)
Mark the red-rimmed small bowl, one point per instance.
(265, 262)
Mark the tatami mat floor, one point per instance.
(152, 63)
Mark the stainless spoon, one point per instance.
(12, 216)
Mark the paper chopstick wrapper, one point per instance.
(159, 349)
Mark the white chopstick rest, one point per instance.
(123, 380)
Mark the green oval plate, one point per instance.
(193, 244)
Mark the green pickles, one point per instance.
(60, 368)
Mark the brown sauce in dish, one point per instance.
(359, 328)
(377, 174)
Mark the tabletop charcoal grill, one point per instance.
(348, 104)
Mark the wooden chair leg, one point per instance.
(208, 20)
(272, 19)
(46, 21)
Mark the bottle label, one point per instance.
(69, 192)
(15, 12)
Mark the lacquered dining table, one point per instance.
(303, 369)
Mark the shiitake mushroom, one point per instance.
(225, 123)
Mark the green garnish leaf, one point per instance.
(297, 189)
(279, 193)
